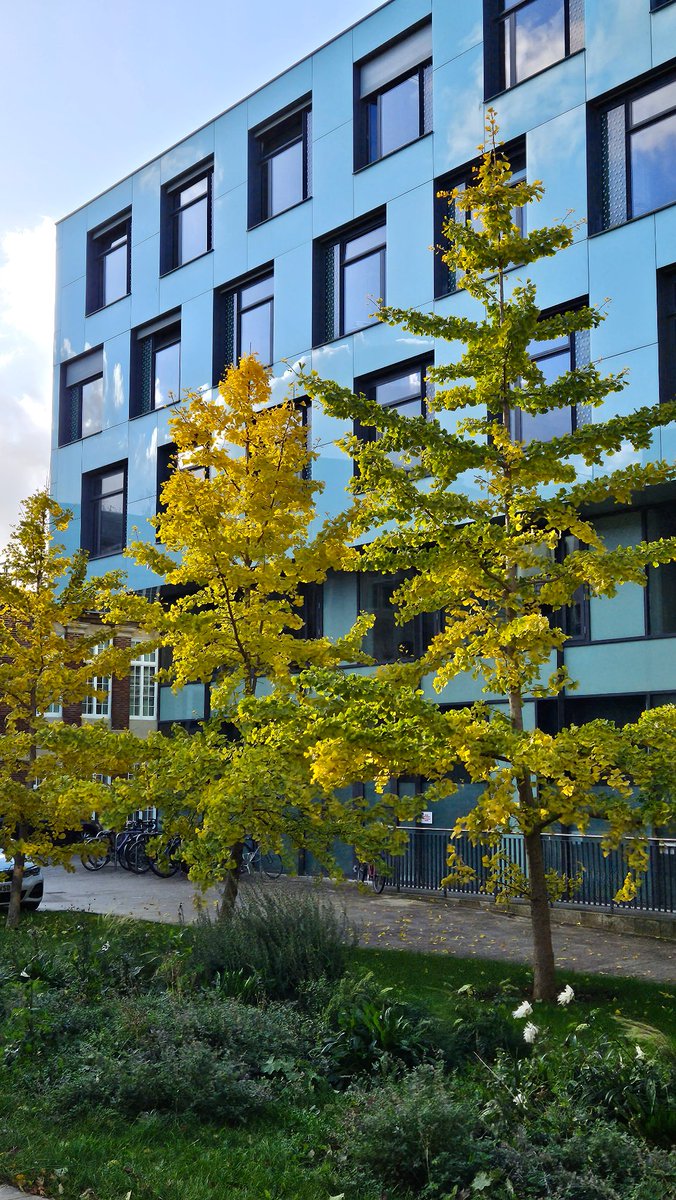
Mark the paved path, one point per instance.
(422, 923)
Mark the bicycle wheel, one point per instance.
(167, 862)
(272, 865)
(122, 851)
(137, 856)
(379, 882)
(94, 862)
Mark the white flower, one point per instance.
(24, 974)
(639, 1052)
(524, 1010)
(530, 1032)
(520, 1099)
(566, 995)
(105, 946)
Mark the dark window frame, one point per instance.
(70, 395)
(91, 515)
(329, 263)
(579, 352)
(601, 218)
(655, 5)
(666, 332)
(170, 232)
(149, 340)
(259, 178)
(445, 283)
(368, 132)
(496, 19)
(421, 637)
(100, 244)
(228, 310)
(367, 385)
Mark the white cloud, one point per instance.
(26, 338)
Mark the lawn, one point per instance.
(78, 991)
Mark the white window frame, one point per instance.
(99, 710)
(142, 667)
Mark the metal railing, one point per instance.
(593, 878)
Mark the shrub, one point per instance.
(281, 939)
(366, 1025)
(480, 1029)
(636, 1090)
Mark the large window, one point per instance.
(666, 329)
(388, 641)
(186, 217)
(142, 685)
(244, 322)
(156, 365)
(636, 133)
(350, 280)
(104, 495)
(109, 262)
(404, 388)
(98, 706)
(660, 522)
(523, 37)
(280, 163)
(81, 398)
(446, 280)
(554, 358)
(395, 97)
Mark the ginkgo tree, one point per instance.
(53, 623)
(476, 514)
(239, 546)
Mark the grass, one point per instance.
(286, 1156)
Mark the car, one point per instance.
(33, 884)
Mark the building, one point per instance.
(270, 227)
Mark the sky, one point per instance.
(89, 91)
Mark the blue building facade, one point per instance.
(274, 226)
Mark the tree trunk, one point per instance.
(226, 907)
(544, 971)
(14, 909)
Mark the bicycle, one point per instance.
(252, 858)
(368, 873)
(117, 846)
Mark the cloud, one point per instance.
(26, 339)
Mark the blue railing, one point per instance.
(593, 878)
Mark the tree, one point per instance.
(52, 623)
(478, 520)
(239, 557)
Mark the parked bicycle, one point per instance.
(107, 845)
(371, 874)
(254, 860)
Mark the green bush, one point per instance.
(635, 1090)
(366, 1026)
(282, 940)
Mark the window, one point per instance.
(655, 4)
(574, 618)
(523, 37)
(104, 496)
(93, 706)
(554, 358)
(445, 280)
(405, 388)
(311, 611)
(280, 163)
(81, 406)
(186, 217)
(660, 522)
(244, 323)
(637, 153)
(109, 262)
(142, 685)
(387, 641)
(156, 365)
(350, 279)
(666, 332)
(394, 90)
(168, 461)
(55, 709)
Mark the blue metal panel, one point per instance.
(145, 219)
(71, 321)
(230, 150)
(332, 183)
(558, 279)
(617, 48)
(196, 342)
(187, 153)
(279, 234)
(455, 28)
(191, 280)
(386, 23)
(107, 206)
(142, 463)
(108, 322)
(557, 154)
(332, 71)
(71, 248)
(139, 512)
(665, 235)
(410, 262)
(293, 302)
(108, 446)
(116, 381)
(458, 88)
(335, 473)
(340, 605)
(541, 98)
(67, 478)
(280, 93)
(391, 176)
(380, 346)
(621, 615)
(622, 267)
(230, 245)
(145, 284)
(633, 667)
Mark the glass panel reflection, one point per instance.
(400, 115)
(255, 336)
(540, 37)
(92, 406)
(285, 178)
(362, 288)
(653, 166)
(192, 232)
(115, 274)
(167, 374)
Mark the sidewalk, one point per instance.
(396, 922)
